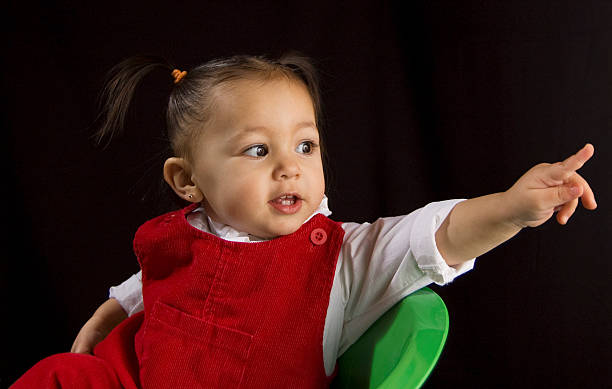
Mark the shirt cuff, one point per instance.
(424, 248)
(129, 294)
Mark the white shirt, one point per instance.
(378, 265)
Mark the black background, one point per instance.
(424, 101)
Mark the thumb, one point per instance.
(562, 194)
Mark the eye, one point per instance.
(256, 151)
(306, 147)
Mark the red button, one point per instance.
(318, 236)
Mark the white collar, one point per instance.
(198, 219)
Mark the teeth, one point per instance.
(287, 200)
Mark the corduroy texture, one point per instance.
(114, 366)
(222, 314)
(218, 314)
(68, 370)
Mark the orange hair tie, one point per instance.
(178, 75)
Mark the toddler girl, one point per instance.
(252, 285)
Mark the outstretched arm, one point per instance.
(477, 225)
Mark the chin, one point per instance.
(287, 229)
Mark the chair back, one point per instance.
(400, 349)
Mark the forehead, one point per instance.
(278, 103)
(273, 99)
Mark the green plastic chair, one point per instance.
(400, 349)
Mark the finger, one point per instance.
(566, 211)
(562, 170)
(588, 197)
(557, 196)
(577, 160)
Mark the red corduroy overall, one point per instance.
(218, 314)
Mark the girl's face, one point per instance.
(258, 162)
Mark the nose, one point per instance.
(287, 167)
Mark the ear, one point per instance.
(177, 173)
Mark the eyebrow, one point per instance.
(248, 130)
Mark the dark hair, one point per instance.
(190, 101)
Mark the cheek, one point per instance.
(226, 180)
(241, 193)
(318, 177)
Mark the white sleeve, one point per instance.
(387, 260)
(423, 243)
(129, 294)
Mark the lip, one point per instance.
(286, 209)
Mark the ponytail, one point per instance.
(190, 101)
(118, 91)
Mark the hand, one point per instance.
(89, 336)
(102, 322)
(548, 188)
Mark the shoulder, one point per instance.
(161, 220)
(320, 218)
(162, 227)
(331, 227)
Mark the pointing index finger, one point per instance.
(576, 161)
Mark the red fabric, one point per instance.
(114, 364)
(222, 314)
(218, 314)
(69, 371)
(119, 350)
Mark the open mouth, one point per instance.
(286, 200)
(287, 203)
